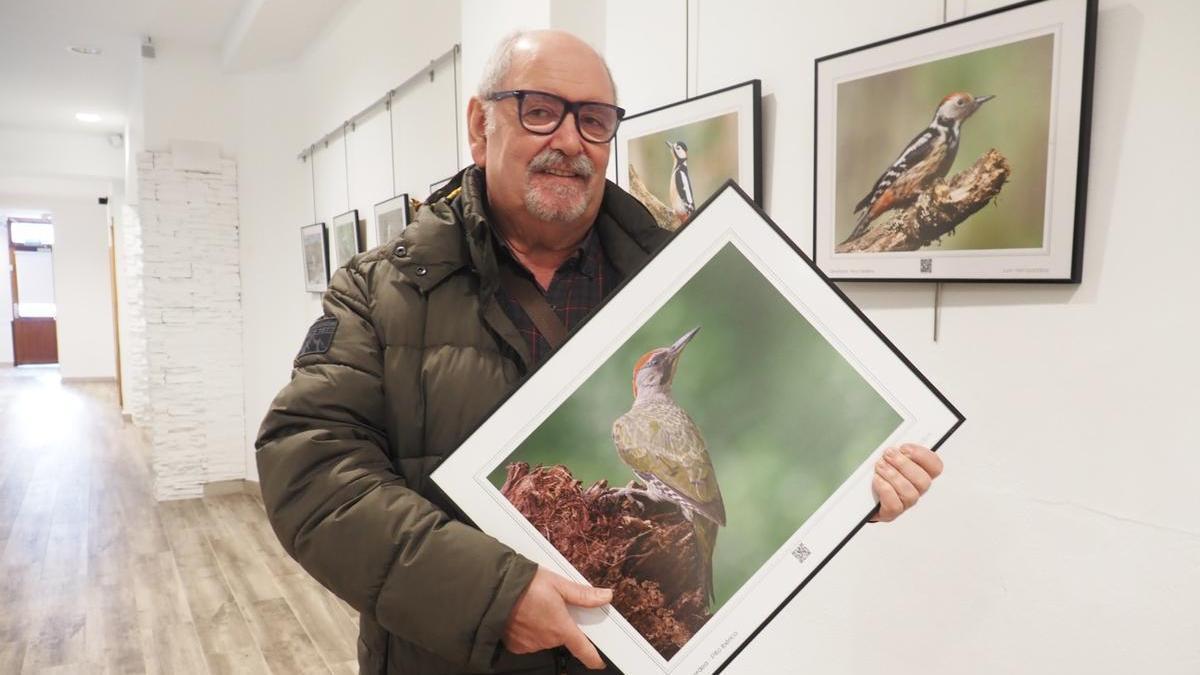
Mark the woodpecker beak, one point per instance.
(980, 100)
(683, 341)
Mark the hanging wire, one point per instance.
(696, 89)
(457, 113)
(937, 286)
(687, 57)
(312, 169)
(346, 154)
(392, 142)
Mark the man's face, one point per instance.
(556, 178)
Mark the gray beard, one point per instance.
(576, 205)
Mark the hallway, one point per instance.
(95, 576)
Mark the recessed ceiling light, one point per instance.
(86, 51)
(87, 117)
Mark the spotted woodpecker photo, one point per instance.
(979, 121)
(674, 170)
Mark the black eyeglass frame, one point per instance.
(572, 107)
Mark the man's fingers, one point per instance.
(904, 489)
(890, 505)
(582, 596)
(583, 649)
(908, 468)
(926, 458)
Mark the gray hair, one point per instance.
(497, 67)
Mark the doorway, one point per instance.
(31, 264)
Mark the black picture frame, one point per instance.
(728, 219)
(314, 254)
(346, 240)
(1016, 237)
(391, 217)
(734, 111)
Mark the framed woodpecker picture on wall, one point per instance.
(959, 152)
(675, 157)
(702, 445)
(314, 246)
(391, 217)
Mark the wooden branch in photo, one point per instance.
(938, 210)
(663, 214)
(644, 551)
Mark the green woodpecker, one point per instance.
(663, 446)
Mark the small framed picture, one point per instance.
(673, 158)
(391, 217)
(959, 152)
(314, 246)
(439, 184)
(702, 444)
(346, 243)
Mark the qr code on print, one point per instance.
(926, 265)
(801, 552)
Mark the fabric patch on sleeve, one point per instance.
(319, 337)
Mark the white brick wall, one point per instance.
(191, 288)
(133, 320)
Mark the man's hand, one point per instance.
(901, 477)
(540, 620)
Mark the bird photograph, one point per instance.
(927, 158)
(664, 448)
(674, 170)
(903, 133)
(683, 464)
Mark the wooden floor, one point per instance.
(96, 576)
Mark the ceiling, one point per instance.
(44, 85)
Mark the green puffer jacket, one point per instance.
(412, 354)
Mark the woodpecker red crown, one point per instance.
(638, 366)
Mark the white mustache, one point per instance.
(557, 160)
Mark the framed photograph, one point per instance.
(391, 217)
(314, 246)
(346, 243)
(960, 152)
(702, 445)
(673, 158)
(439, 184)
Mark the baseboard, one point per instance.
(236, 486)
(87, 380)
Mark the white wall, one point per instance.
(1061, 538)
(82, 285)
(371, 48)
(27, 152)
(186, 96)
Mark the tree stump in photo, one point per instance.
(644, 551)
(666, 218)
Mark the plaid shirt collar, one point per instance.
(579, 285)
(586, 259)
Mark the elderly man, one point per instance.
(421, 339)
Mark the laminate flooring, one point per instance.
(96, 576)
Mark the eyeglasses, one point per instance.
(542, 113)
